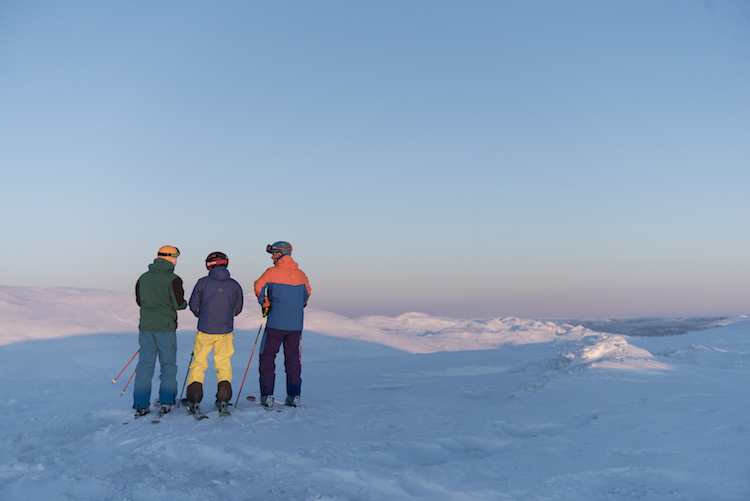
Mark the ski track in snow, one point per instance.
(578, 415)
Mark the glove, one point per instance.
(266, 309)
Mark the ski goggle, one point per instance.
(271, 249)
(169, 254)
(217, 262)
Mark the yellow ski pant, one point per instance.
(223, 346)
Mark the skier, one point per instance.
(216, 300)
(159, 293)
(282, 291)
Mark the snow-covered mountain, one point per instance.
(411, 407)
(31, 313)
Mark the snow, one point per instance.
(411, 407)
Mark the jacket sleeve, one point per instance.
(138, 292)
(240, 301)
(179, 294)
(308, 289)
(195, 299)
(260, 286)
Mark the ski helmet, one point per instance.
(168, 252)
(216, 259)
(284, 247)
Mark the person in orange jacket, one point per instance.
(283, 291)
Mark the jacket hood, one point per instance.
(161, 266)
(286, 261)
(219, 273)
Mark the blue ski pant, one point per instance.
(164, 346)
(273, 339)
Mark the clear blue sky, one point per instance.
(471, 159)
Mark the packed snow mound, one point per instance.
(608, 351)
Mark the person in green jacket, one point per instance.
(159, 293)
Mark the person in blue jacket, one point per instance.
(282, 291)
(216, 300)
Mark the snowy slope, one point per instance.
(556, 412)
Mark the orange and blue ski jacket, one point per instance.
(285, 288)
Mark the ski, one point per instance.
(256, 401)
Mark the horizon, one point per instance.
(678, 324)
(538, 160)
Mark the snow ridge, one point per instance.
(32, 313)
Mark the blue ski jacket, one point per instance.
(285, 288)
(216, 300)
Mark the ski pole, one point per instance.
(126, 384)
(186, 378)
(123, 369)
(248, 362)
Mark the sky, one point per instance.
(473, 159)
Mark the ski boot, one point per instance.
(292, 401)
(266, 401)
(193, 408)
(141, 412)
(223, 407)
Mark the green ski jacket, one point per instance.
(159, 293)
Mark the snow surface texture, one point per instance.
(412, 407)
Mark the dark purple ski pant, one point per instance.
(269, 347)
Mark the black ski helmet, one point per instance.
(216, 259)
